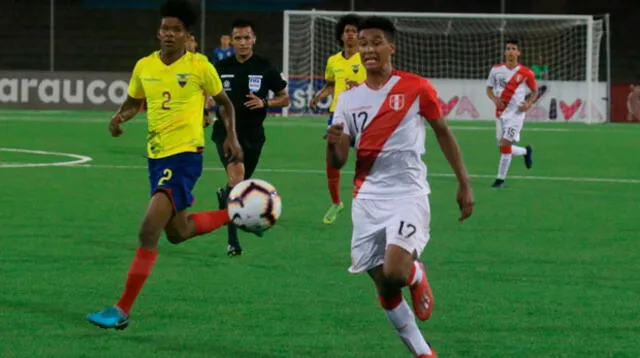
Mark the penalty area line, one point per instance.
(77, 158)
(440, 175)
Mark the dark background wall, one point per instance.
(108, 35)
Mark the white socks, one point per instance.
(518, 151)
(404, 321)
(505, 160)
(503, 168)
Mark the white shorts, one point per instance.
(379, 223)
(509, 128)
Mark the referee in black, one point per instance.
(247, 78)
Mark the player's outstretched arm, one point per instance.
(128, 110)
(228, 117)
(452, 152)
(338, 145)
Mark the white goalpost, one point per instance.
(457, 51)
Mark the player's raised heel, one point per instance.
(422, 296)
(528, 158)
(332, 214)
(110, 318)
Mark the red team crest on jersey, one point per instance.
(396, 101)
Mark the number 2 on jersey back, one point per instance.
(167, 99)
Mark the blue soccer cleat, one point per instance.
(111, 317)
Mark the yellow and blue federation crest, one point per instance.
(355, 68)
(182, 79)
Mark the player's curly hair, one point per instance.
(350, 19)
(184, 10)
(380, 23)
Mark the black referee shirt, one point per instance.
(255, 75)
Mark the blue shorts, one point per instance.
(330, 120)
(176, 176)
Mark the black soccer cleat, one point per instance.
(234, 250)
(528, 158)
(499, 183)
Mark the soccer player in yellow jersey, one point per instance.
(173, 81)
(344, 70)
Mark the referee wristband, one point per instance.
(266, 102)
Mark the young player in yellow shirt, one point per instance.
(344, 70)
(172, 81)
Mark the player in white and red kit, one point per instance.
(508, 86)
(383, 119)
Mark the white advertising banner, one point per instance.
(560, 101)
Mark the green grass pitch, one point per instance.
(546, 268)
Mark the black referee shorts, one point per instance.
(251, 157)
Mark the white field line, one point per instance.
(270, 122)
(78, 159)
(445, 175)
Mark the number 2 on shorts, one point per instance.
(167, 175)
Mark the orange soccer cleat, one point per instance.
(422, 296)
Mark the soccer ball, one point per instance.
(254, 205)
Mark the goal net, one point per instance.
(457, 51)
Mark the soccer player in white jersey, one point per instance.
(507, 87)
(383, 119)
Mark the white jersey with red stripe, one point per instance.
(511, 86)
(388, 131)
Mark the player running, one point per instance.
(173, 81)
(342, 72)
(390, 210)
(507, 88)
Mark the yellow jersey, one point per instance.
(339, 70)
(175, 101)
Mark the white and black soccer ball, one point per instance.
(254, 205)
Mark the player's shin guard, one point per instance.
(505, 161)
(401, 317)
(138, 272)
(333, 182)
(207, 221)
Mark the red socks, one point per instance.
(138, 272)
(207, 221)
(389, 303)
(333, 181)
(145, 259)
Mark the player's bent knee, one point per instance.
(394, 276)
(177, 234)
(175, 238)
